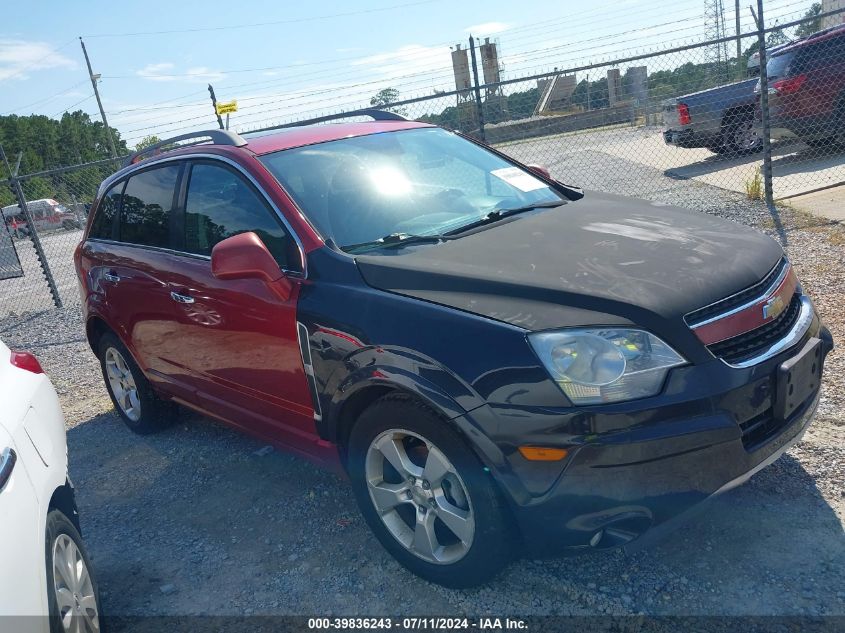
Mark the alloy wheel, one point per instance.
(745, 138)
(73, 588)
(419, 496)
(122, 384)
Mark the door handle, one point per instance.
(181, 298)
(111, 277)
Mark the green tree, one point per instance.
(815, 22)
(147, 141)
(6, 196)
(385, 97)
(44, 143)
(37, 188)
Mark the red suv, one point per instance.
(807, 88)
(498, 360)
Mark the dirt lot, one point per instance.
(199, 520)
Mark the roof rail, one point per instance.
(382, 115)
(218, 137)
(375, 114)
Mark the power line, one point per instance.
(543, 53)
(68, 109)
(344, 59)
(46, 99)
(303, 95)
(231, 27)
(316, 63)
(533, 26)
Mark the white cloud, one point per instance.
(18, 58)
(157, 72)
(203, 74)
(167, 71)
(407, 61)
(487, 28)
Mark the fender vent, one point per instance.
(305, 352)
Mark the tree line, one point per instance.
(43, 143)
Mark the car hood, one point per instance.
(604, 259)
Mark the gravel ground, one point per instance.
(199, 520)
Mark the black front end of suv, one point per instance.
(630, 466)
(635, 468)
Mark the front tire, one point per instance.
(426, 496)
(72, 594)
(136, 402)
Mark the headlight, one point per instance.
(594, 366)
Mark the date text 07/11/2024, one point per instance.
(418, 623)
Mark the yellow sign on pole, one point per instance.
(228, 107)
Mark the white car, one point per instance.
(44, 569)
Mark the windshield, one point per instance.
(419, 182)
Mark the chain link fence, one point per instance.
(634, 126)
(40, 233)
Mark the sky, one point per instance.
(287, 60)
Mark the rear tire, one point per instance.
(73, 597)
(441, 517)
(134, 399)
(739, 136)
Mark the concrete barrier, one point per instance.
(546, 125)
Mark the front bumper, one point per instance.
(634, 467)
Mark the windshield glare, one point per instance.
(424, 181)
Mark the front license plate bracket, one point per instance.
(798, 378)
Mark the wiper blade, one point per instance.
(397, 238)
(410, 238)
(498, 214)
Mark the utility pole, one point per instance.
(94, 79)
(764, 105)
(479, 104)
(740, 71)
(214, 105)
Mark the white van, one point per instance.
(47, 215)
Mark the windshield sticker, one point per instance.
(515, 177)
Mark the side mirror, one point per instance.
(541, 171)
(244, 256)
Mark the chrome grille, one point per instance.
(746, 346)
(729, 303)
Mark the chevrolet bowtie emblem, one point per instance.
(773, 307)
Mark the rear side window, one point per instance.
(221, 204)
(778, 65)
(103, 222)
(147, 207)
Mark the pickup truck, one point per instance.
(721, 119)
